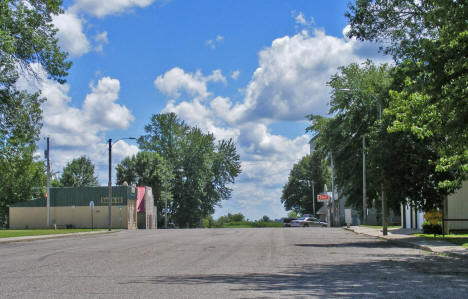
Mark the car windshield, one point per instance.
(302, 218)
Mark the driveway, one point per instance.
(226, 263)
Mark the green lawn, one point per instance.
(457, 239)
(37, 232)
(247, 224)
(380, 227)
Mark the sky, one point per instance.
(246, 70)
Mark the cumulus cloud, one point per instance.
(301, 19)
(100, 40)
(194, 84)
(292, 74)
(70, 34)
(212, 43)
(81, 131)
(103, 8)
(289, 83)
(235, 74)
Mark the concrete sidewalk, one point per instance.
(404, 236)
(45, 237)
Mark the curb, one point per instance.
(409, 244)
(47, 237)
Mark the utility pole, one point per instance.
(364, 200)
(382, 191)
(48, 181)
(313, 197)
(165, 206)
(333, 189)
(109, 220)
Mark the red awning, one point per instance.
(140, 202)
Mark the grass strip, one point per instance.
(380, 226)
(9, 233)
(457, 239)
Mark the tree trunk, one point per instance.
(384, 211)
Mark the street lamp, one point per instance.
(364, 203)
(109, 220)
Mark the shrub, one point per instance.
(435, 229)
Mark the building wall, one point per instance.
(458, 208)
(78, 216)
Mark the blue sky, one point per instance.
(247, 70)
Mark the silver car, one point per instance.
(306, 222)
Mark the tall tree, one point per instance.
(429, 42)
(79, 173)
(27, 37)
(298, 192)
(398, 163)
(202, 168)
(148, 169)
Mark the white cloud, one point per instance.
(100, 39)
(70, 34)
(81, 131)
(212, 43)
(176, 80)
(301, 19)
(289, 83)
(103, 8)
(235, 74)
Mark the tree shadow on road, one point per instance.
(365, 244)
(421, 276)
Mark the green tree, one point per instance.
(429, 42)
(202, 168)
(27, 37)
(79, 173)
(292, 214)
(297, 193)
(148, 169)
(398, 163)
(265, 218)
(237, 217)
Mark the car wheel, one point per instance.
(306, 225)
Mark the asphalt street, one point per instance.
(226, 263)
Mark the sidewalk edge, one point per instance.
(409, 244)
(48, 237)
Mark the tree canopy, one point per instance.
(399, 164)
(147, 169)
(27, 37)
(429, 42)
(79, 173)
(199, 168)
(297, 194)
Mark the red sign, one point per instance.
(322, 197)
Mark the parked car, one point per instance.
(287, 221)
(306, 222)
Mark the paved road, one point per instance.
(226, 263)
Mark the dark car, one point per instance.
(287, 221)
(306, 222)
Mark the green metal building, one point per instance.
(70, 207)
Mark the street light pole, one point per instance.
(364, 189)
(333, 189)
(313, 197)
(364, 199)
(165, 207)
(109, 214)
(109, 219)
